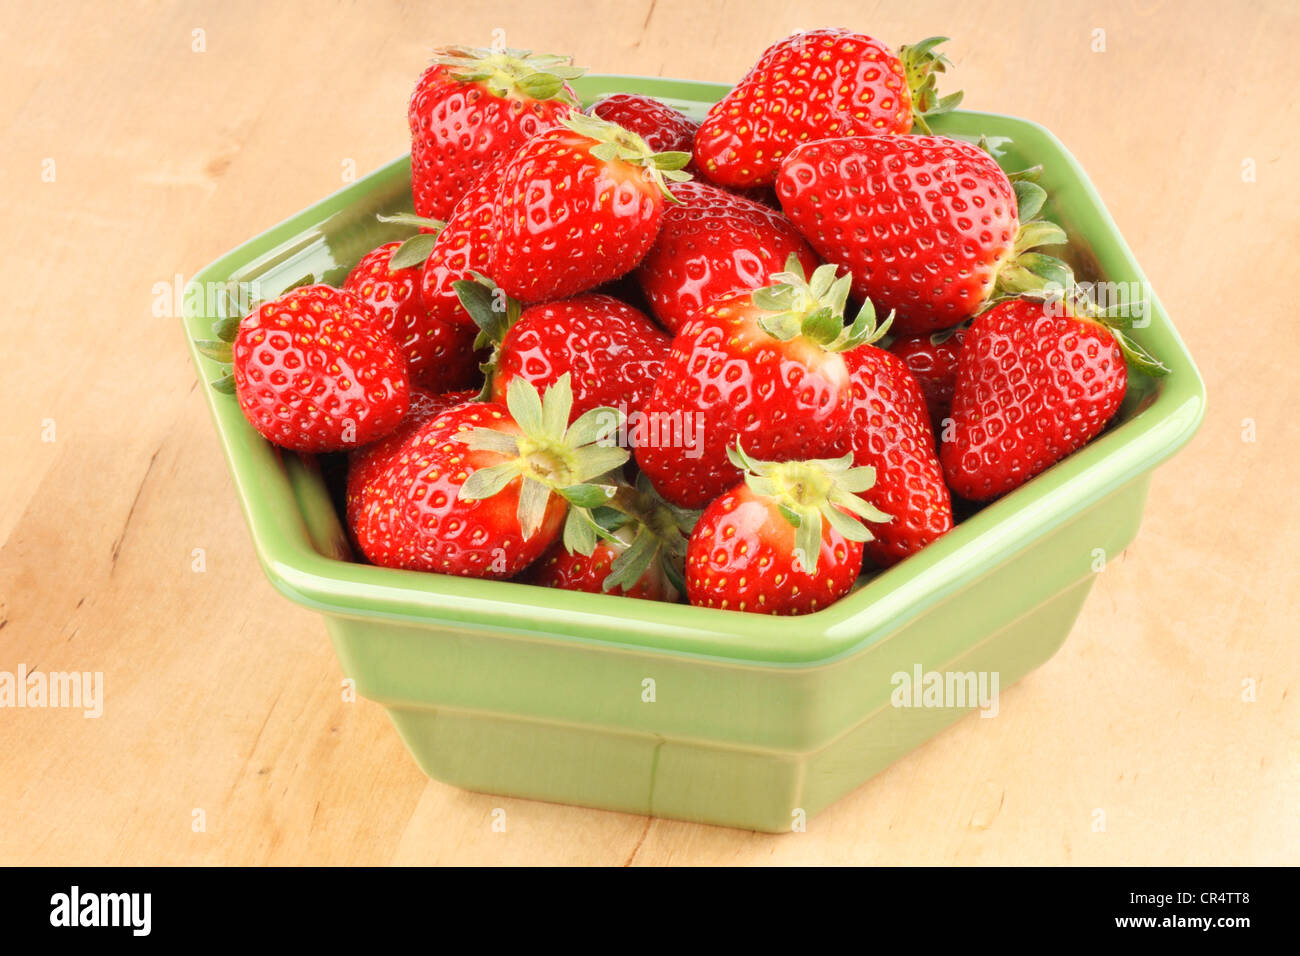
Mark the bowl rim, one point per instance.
(278, 490)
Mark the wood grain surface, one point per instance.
(131, 159)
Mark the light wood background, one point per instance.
(222, 696)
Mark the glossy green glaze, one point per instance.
(518, 690)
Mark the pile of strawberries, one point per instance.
(624, 352)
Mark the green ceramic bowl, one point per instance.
(713, 716)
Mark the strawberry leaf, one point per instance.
(633, 562)
(1029, 199)
(595, 425)
(216, 350)
(1140, 358)
(1039, 233)
(588, 496)
(593, 461)
(413, 252)
(525, 405)
(226, 329)
(487, 482)
(579, 532)
(533, 497)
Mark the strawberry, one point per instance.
(639, 553)
(576, 207)
(663, 128)
(473, 108)
(459, 249)
(1036, 380)
(890, 432)
(666, 130)
(813, 86)
(481, 489)
(714, 243)
(762, 366)
(926, 225)
(612, 352)
(440, 355)
(367, 464)
(786, 540)
(932, 360)
(314, 370)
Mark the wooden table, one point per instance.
(141, 144)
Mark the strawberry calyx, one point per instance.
(1118, 320)
(495, 313)
(1023, 269)
(415, 250)
(550, 455)
(648, 532)
(1030, 173)
(812, 491)
(616, 144)
(922, 65)
(506, 72)
(814, 308)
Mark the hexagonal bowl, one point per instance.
(713, 716)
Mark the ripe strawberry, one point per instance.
(926, 225)
(460, 249)
(577, 207)
(666, 130)
(663, 128)
(891, 432)
(314, 370)
(640, 551)
(932, 360)
(439, 355)
(613, 352)
(1036, 380)
(813, 86)
(764, 367)
(473, 108)
(714, 244)
(481, 489)
(367, 464)
(786, 540)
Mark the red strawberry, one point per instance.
(639, 553)
(783, 541)
(476, 490)
(891, 433)
(1035, 381)
(577, 207)
(439, 355)
(926, 225)
(460, 249)
(932, 360)
(763, 367)
(558, 568)
(712, 245)
(314, 370)
(473, 108)
(367, 464)
(663, 128)
(813, 86)
(613, 352)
